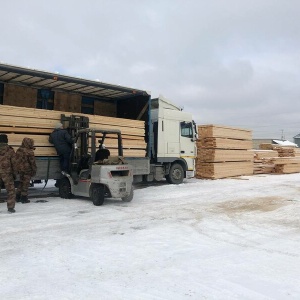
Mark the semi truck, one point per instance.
(170, 133)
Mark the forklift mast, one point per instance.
(73, 124)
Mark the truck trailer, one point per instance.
(169, 132)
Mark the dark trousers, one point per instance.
(64, 161)
(9, 184)
(24, 184)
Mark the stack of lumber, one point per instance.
(286, 165)
(37, 124)
(285, 151)
(263, 161)
(280, 160)
(223, 152)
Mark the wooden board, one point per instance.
(224, 143)
(220, 155)
(223, 170)
(286, 160)
(19, 95)
(205, 131)
(260, 154)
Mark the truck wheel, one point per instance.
(129, 197)
(65, 188)
(97, 194)
(176, 174)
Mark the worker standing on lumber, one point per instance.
(26, 167)
(8, 171)
(62, 142)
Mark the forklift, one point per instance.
(107, 178)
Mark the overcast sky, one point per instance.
(229, 62)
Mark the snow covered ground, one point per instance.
(203, 239)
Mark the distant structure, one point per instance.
(297, 139)
(283, 143)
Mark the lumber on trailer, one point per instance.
(224, 132)
(38, 124)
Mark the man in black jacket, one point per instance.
(62, 142)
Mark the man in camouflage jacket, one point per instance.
(8, 170)
(26, 168)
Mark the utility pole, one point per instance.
(282, 135)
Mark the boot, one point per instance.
(18, 197)
(11, 210)
(24, 199)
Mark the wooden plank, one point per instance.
(224, 132)
(223, 170)
(224, 143)
(220, 155)
(285, 160)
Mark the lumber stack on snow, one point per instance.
(286, 165)
(18, 123)
(263, 163)
(223, 152)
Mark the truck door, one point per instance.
(188, 144)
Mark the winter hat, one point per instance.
(3, 138)
(58, 125)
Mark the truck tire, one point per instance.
(65, 188)
(129, 197)
(97, 194)
(176, 174)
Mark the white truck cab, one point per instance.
(173, 137)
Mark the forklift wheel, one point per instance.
(97, 194)
(129, 197)
(65, 188)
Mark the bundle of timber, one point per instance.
(266, 146)
(285, 151)
(287, 168)
(263, 163)
(286, 165)
(37, 124)
(223, 152)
